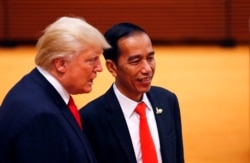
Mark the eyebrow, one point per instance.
(152, 53)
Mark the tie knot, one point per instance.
(71, 102)
(141, 109)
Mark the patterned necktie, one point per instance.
(74, 111)
(147, 145)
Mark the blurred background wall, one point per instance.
(167, 21)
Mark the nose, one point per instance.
(146, 67)
(98, 67)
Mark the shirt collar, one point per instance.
(55, 83)
(128, 106)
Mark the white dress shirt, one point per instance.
(55, 83)
(132, 118)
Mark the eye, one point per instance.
(92, 60)
(134, 62)
(151, 58)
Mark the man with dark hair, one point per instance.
(133, 122)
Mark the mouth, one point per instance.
(90, 81)
(146, 80)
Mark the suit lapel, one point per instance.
(160, 112)
(80, 134)
(68, 116)
(59, 102)
(118, 125)
(37, 76)
(163, 122)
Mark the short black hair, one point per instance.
(114, 34)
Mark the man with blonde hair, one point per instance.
(36, 123)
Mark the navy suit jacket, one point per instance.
(109, 136)
(36, 126)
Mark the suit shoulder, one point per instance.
(157, 93)
(161, 90)
(91, 106)
(101, 101)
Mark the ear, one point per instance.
(60, 65)
(112, 68)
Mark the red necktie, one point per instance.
(74, 111)
(147, 144)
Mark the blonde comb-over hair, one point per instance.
(65, 37)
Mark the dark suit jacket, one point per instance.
(108, 133)
(36, 126)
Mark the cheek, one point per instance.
(153, 69)
(125, 74)
(78, 74)
(84, 69)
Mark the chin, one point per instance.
(146, 89)
(88, 90)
